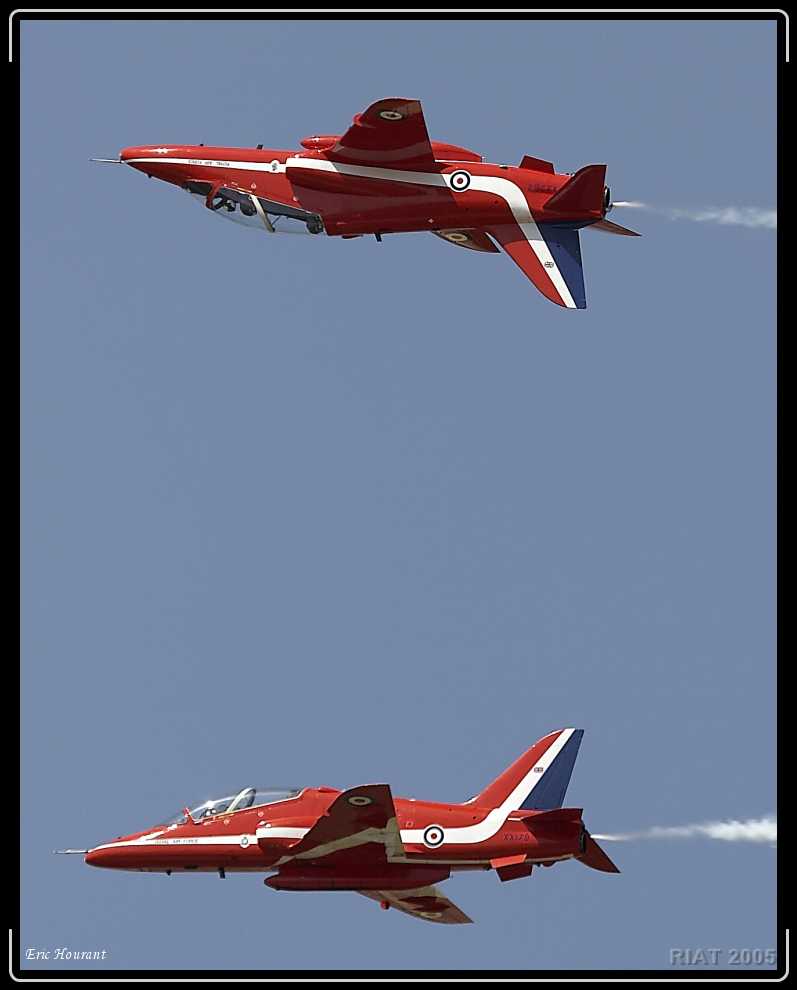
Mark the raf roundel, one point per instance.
(459, 180)
(360, 800)
(433, 836)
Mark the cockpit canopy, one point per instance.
(249, 797)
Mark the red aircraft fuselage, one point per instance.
(261, 839)
(363, 840)
(378, 200)
(384, 175)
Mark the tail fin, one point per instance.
(538, 779)
(549, 255)
(583, 193)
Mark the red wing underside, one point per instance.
(426, 903)
(391, 133)
(474, 239)
(360, 825)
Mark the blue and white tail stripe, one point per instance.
(565, 248)
(524, 786)
(550, 787)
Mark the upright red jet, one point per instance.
(385, 176)
(363, 840)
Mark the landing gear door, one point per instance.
(255, 211)
(262, 214)
(281, 213)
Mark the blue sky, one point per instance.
(311, 511)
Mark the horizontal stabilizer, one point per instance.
(595, 858)
(613, 228)
(551, 817)
(583, 193)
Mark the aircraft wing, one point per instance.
(426, 903)
(361, 819)
(390, 133)
(474, 239)
(548, 255)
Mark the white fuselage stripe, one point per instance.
(204, 840)
(211, 163)
(281, 832)
(505, 188)
(489, 825)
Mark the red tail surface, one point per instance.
(538, 779)
(582, 194)
(595, 858)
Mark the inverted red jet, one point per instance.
(385, 176)
(364, 840)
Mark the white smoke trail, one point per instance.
(740, 216)
(752, 830)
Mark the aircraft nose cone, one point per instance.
(130, 155)
(99, 857)
(140, 156)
